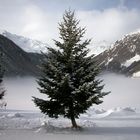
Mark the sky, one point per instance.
(107, 20)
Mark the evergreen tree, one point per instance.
(69, 74)
(2, 91)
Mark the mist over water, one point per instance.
(19, 92)
(125, 91)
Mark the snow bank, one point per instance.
(111, 113)
(40, 122)
(136, 75)
(19, 120)
(14, 115)
(132, 60)
(120, 112)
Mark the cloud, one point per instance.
(39, 24)
(110, 24)
(31, 19)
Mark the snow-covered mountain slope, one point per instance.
(99, 47)
(28, 45)
(124, 56)
(16, 61)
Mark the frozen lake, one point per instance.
(124, 92)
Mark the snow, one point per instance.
(136, 74)
(123, 124)
(132, 60)
(135, 32)
(132, 48)
(28, 45)
(2, 31)
(109, 60)
(99, 47)
(18, 119)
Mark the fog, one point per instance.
(125, 91)
(19, 92)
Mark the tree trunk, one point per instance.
(72, 117)
(74, 124)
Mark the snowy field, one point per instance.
(113, 124)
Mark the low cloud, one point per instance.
(124, 92)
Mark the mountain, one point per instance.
(123, 56)
(18, 62)
(28, 45)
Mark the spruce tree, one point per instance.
(69, 74)
(2, 91)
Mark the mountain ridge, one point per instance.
(123, 57)
(17, 62)
(27, 44)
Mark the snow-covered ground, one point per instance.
(113, 124)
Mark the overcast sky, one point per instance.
(38, 19)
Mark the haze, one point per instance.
(124, 92)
